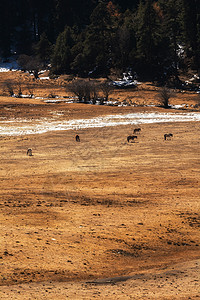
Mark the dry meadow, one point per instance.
(102, 218)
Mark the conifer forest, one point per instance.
(93, 38)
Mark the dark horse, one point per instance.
(29, 152)
(136, 130)
(77, 138)
(167, 135)
(131, 137)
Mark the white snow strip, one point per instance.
(178, 106)
(44, 78)
(54, 100)
(16, 127)
(42, 71)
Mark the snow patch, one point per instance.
(178, 106)
(44, 78)
(16, 127)
(9, 65)
(125, 83)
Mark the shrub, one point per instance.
(164, 95)
(84, 90)
(30, 63)
(77, 87)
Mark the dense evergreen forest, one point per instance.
(157, 39)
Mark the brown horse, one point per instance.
(167, 135)
(136, 130)
(131, 137)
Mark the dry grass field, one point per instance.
(103, 218)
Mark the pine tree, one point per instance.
(41, 16)
(127, 4)
(79, 63)
(43, 49)
(62, 56)
(5, 28)
(191, 32)
(124, 49)
(72, 12)
(172, 11)
(148, 38)
(22, 29)
(146, 31)
(97, 46)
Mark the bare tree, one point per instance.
(89, 90)
(77, 87)
(30, 63)
(94, 90)
(164, 95)
(106, 89)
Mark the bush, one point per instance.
(164, 95)
(89, 90)
(84, 90)
(77, 87)
(30, 63)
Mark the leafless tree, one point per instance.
(106, 89)
(84, 90)
(94, 91)
(30, 63)
(77, 87)
(164, 95)
(89, 90)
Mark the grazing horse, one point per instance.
(136, 130)
(29, 152)
(167, 135)
(131, 137)
(77, 138)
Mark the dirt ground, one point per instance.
(103, 218)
